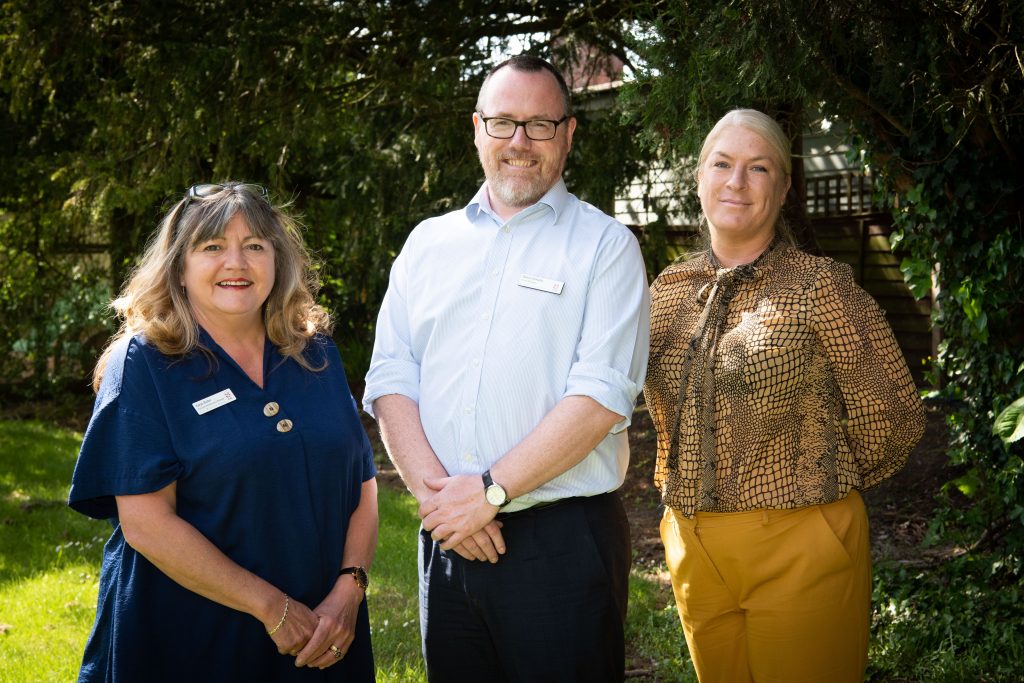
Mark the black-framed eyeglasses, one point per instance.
(203, 190)
(536, 129)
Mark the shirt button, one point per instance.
(271, 409)
(468, 410)
(485, 316)
(506, 229)
(495, 272)
(284, 425)
(476, 362)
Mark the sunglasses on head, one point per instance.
(203, 190)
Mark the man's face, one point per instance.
(520, 170)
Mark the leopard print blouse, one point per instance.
(776, 384)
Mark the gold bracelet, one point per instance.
(283, 617)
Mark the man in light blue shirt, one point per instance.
(510, 348)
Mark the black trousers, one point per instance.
(553, 608)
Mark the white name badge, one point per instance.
(543, 284)
(205, 405)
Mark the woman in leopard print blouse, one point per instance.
(778, 392)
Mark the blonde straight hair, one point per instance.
(154, 304)
(771, 132)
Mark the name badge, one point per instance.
(205, 405)
(543, 284)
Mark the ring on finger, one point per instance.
(338, 654)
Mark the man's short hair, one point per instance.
(532, 64)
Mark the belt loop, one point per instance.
(764, 517)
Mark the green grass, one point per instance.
(654, 637)
(50, 558)
(394, 610)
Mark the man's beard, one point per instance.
(518, 192)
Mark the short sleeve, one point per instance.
(127, 446)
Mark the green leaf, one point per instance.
(967, 484)
(1009, 424)
(918, 276)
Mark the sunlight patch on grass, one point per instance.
(49, 616)
(394, 609)
(49, 556)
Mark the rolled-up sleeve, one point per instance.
(393, 367)
(611, 359)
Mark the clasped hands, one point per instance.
(459, 517)
(308, 634)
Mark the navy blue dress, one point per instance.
(272, 489)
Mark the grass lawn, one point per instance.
(49, 573)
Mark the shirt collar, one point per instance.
(555, 199)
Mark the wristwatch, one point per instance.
(493, 492)
(359, 574)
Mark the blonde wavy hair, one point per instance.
(154, 304)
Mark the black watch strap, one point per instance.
(494, 493)
(359, 574)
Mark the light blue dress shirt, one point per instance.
(488, 324)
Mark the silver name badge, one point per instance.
(213, 401)
(540, 283)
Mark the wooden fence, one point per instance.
(863, 242)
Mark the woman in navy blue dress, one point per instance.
(226, 450)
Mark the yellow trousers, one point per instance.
(773, 595)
